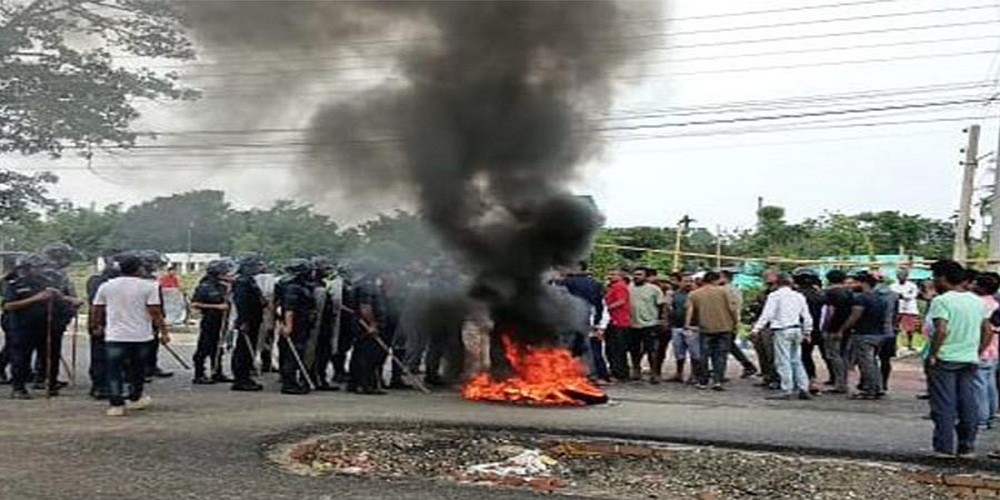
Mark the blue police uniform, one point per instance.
(25, 329)
(210, 290)
(296, 297)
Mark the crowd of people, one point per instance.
(854, 323)
(325, 326)
(316, 325)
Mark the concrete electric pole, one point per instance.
(961, 249)
(995, 210)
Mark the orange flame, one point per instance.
(543, 376)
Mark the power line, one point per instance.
(717, 107)
(660, 126)
(823, 21)
(714, 57)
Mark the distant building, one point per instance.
(189, 263)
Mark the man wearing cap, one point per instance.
(787, 315)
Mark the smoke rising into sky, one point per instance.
(480, 114)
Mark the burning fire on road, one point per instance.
(541, 376)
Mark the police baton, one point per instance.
(298, 360)
(177, 357)
(406, 370)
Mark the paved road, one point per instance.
(206, 442)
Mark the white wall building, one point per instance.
(188, 263)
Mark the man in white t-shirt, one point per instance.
(126, 309)
(909, 314)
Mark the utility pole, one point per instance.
(995, 211)
(718, 247)
(682, 228)
(187, 264)
(961, 249)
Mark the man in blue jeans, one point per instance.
(787, 315)
(961, 333)
(126, 311)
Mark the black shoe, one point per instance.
(749, 372)
(202, 380)
(39, 385)
(340, 378)
(99, 395)
(718, 388)
(780, 397)
(725, 379)
(400, 386)
(158, 373)
(4, 379)
(21, 394)
(295, 390)
(923, 396)
(805, 396)
(247, 386)
(372, 392)
(434, 381)
(61, 384)
(52, 393)
(222, 379)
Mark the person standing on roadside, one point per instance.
(647, 301)
(909, 313)
(686, 343)
(839, 301)
(985, 286)
(961, 333)
(726, 281)
(711, 309)
(126, 310)
(866, 325)
(786, 314)
(619, 307)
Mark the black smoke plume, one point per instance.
(489, 110)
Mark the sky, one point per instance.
(814, 105)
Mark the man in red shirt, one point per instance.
(616, 299)
(170, 280)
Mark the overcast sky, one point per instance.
(834, 158)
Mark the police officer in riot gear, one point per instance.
(298, 314)
(26, 305)
(320, 348)
(60, 256)
(367, 356)
(211, 297)
(249, 302)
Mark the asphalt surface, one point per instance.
(208, 442)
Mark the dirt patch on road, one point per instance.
(600, 468)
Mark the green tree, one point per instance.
(284, 231)
(164, 223)
(24, 196)
(59, 84)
